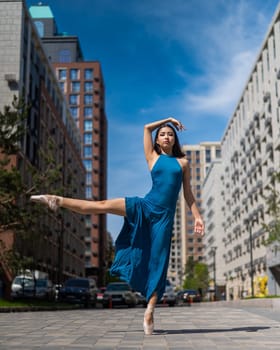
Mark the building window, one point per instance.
(88, 87)
(87, 151)
(88, 192)
(208, 156)
(218, 153)
(88, 74)
(88, 125)
(62, 74)
(88, 99)
(64, 56)
(62, 86)
(74, 112)
(88, 112)
(88, 139)
(75, 86)
(73, 99)
(74, 74)
(40, 28)
(88, 178)
(87, 164)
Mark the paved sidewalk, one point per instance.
(179, 328)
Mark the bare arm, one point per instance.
(148, 140)
(189, 197)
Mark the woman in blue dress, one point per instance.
(143, 245)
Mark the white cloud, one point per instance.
(223, 90)
(224, 46)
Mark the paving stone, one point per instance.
(196, 327)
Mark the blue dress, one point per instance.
(143, 245)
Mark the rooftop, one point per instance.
(40, 11)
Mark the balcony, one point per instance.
(267, 121)
(269, 147)
(270, 171)
(256, 116)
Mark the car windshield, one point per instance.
(77, 283)
(121, 286)
(21, 280)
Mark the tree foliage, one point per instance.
(197, 276)
(17, 214)
(273, 209)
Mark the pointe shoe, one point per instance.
(148, 327)
(53, 202)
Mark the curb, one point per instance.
(255, 303)
(37, 308)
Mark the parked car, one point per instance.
(140, 299)
(20, 284)
(188, 296)
(44, 289)
(169, 296)
(29, 287)
(119, 293)
(79, 291)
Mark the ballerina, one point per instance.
(143, 245)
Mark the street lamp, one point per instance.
(248, 224)
(213, 251)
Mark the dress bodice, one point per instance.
(166, 182)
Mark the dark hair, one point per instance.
(176, 150)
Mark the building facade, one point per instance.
(250, 153)
(26, 72)
(213, 237)
(186, 243)
(83, 85)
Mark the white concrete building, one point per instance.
(213, 238)
(185, 242)
(250, 154)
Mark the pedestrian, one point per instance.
(143, 245)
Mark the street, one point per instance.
(177, 328)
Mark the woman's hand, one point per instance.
(177, 124)
(199, 226)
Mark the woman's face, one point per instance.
(166, 139)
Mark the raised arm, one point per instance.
(148, 139)
(189, 197)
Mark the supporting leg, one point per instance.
(148, 324)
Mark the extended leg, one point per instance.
(108, 206)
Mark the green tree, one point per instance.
(273, 209)
(18, 216)
(197, 276)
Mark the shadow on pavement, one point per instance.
(206, 330)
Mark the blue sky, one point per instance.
(185, 58)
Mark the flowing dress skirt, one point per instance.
(143, 246)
